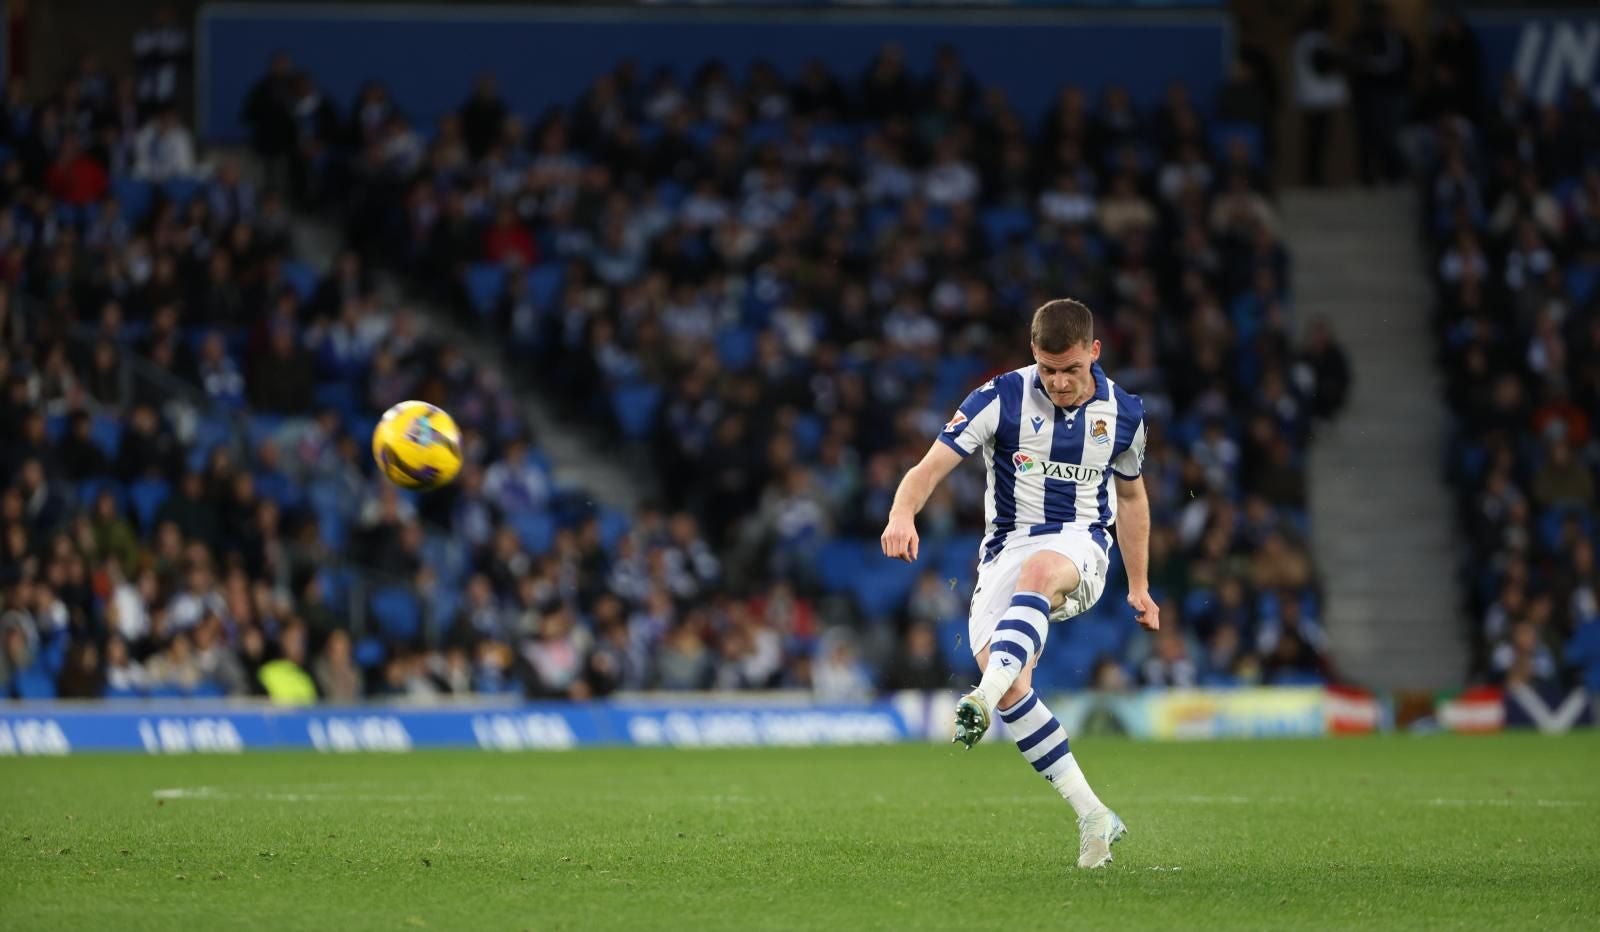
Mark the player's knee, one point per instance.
(1051, 574)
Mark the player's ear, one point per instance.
(1094, 351)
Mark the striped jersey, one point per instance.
(1049, 467)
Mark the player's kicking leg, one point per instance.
(1007, 690)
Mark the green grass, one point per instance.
(1388, 833)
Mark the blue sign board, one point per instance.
(1548, 52)
(168, 728)
(547, 57)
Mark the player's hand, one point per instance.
(900, 538)
(1145, 610)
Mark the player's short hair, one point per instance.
(1062, 323)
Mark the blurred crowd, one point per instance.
(772, 289)
(1511, 190)
(776, 287)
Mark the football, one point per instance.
(417, 446)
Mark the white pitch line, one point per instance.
(266, 795)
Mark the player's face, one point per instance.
(1066, 375)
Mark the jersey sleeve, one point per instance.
(973, 424)
(1130, 462)
(1127, 459)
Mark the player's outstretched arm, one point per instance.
(1133, 536)
(900, 534)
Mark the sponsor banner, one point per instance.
(1474, 711)
(1552, 710)
(172, 729)
(1240, 713)
(1548, 51)
(1356, 712)
(545, 57)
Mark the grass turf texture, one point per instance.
(1440, 832)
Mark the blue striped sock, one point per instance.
(1017, 641)
(1043, 743)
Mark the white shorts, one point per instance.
(997, 581)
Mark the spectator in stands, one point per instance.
(918, 663)
(164, 149)
(75, 177)
(1380, 63)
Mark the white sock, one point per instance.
(1018, 639)
(1043, 743)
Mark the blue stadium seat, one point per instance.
(762, 132)
(135, 198)
(301, 277)
(446, 556)
(180, 190)
(1581, 283)
(808, 430)
(336, 583)
(838, 562)
(485, 282)
(263, 427)
(90, 489)
(736, 347)
(882, 586)
(397, 613)
(614, 526)
(953, 646)
(635, 408)
(1225, 133)
(444, 605)
(536, 531)
(34, 683)
(145, 497)
(55, 427)
(545, 283)
(370, 653)
(337, 394)
(117, 693)
(670, 193)
(1000, 224)
(106, 432)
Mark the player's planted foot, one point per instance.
(1097, 832)
(972, 720)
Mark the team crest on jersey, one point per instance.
(1099, 432)
(1022, 461)
(955, 423)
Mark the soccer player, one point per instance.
(1056, 437)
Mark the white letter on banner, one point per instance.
(645, 730)
(1569, 59)
(8, 745)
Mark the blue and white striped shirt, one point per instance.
(1049, 467)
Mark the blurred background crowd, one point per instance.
(1512, 210)
(761, 294)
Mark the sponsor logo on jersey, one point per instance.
(1050, 469)
(955, 423)
(1038, 422)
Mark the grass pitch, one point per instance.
(1383, 833)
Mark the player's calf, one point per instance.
(1018, 640)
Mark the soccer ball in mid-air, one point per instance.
(417, 446)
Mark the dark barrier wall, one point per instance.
(1549, 51)
(546, 57)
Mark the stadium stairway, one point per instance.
(1384, 527)
(576, 460)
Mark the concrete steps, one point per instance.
(1383, 521)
